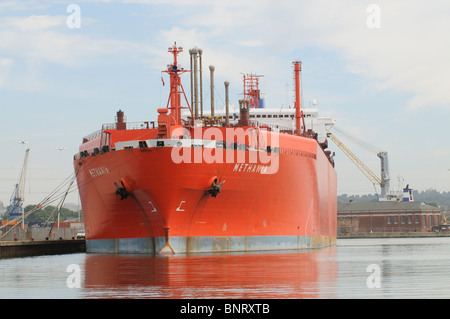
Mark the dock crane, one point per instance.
(384, 181)
(15, 208)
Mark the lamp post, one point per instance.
(23, 195)
(59, 168)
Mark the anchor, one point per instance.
(121, 191)
(215, 188)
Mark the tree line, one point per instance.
(429, 196)
(49, 213)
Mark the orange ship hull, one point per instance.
(205, 185)
(168, 208)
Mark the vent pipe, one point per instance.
(211, 69)
(200, 51)
(120, 123)
(192, 77)
(243, 112)
(194, 54)
(298, 105)
(227, 107)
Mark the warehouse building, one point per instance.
(387, 216)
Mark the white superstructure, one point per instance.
(278, 119)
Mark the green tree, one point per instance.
(42, 214)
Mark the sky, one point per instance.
(381, 68)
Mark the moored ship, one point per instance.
(207, 183)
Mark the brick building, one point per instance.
(387, 216)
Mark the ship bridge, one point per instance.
(278, 119)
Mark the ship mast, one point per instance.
(298, 104)
(251, 90)
(176, 88)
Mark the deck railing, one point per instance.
(152, 125)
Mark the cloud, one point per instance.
(5, 66)
(33, 22)
(408, 53)
(5, 62)
(21, 5)
(46, 38)
(39, 41)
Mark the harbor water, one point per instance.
(375, 268)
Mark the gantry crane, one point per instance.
(384, 181)
(15, 208)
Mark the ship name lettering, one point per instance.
(250, 168)
(96, 172)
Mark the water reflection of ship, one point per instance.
(281, 275)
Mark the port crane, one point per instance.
(384, 181)
(15, 208)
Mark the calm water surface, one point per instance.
(408, 268)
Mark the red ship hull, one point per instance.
(169, 210)
(232, 187)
